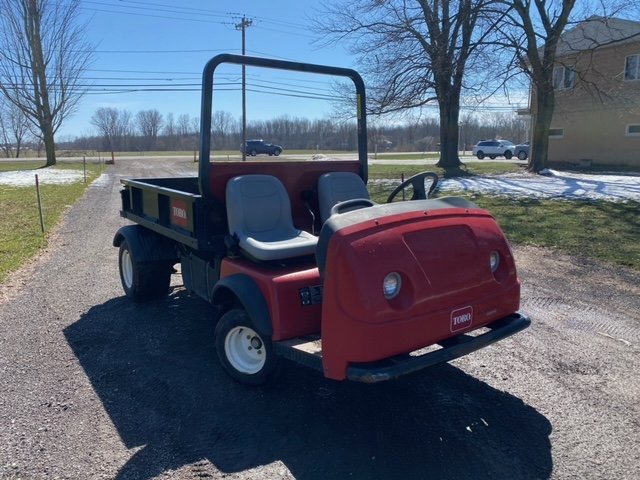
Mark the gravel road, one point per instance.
(93, 386)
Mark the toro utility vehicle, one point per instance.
(299, 263)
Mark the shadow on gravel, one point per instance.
(155, 370)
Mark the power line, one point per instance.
(161, 7)
(148, 15)
(145, 52)
(187, 15)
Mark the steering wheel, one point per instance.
(417, 182)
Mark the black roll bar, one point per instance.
(204, 168)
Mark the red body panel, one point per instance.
(281, 288)
(447, 284)
(448, 287)
(295, 176)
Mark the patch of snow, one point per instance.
(567, 185)
(102, 180)
(49, 176)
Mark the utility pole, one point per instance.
(243, 25)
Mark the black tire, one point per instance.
(480, 155)
(492, 157)
(244, 354)
(253, 153)
(142, 281)
(277, 152)
(508, 154)
(522, 155)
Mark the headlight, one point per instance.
(494, 260)
(391, 285)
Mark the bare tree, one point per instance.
(532, 29)
(14, 128)
(169, 126)
(43, 55)
(546, 34)
(113, 125)
(183, 125)
(149, 124)
(195, 126)
(5, 134)
(414, 53)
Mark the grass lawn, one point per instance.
(471, 169)
(20, 233)
(608, 231)
(8, 166)
(407, 156)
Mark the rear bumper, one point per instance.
(452, 348)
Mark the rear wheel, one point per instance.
(480, 155)
(253, 153)
(142, 281)
(522, 155)
(246, 355)
(277, 152)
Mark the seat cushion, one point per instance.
(301, 244)
(259, 215)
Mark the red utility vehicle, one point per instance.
(383, 290)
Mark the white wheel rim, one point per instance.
(245, 350)
(126, 267)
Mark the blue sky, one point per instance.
(158, 44)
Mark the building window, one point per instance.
(632, 67)
(633, 130)
(556, 133)
(564, 78)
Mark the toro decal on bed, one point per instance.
(461, 319)
(179, 213)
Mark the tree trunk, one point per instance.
(542, 123)
(449, 131)
(49, 144)
(33, 19)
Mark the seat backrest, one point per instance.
(258, 206)
(335, 187)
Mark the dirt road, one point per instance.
(93, 386)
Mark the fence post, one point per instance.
(39, 204)
(402, 181)
(84, 167)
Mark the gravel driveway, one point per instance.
(93, 386)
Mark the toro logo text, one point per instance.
(179, 213)
(461, 319)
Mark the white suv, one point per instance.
(494, 148)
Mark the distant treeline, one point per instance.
(148, 130)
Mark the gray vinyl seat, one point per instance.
(336, 187)
(259, 216)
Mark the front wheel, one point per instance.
(253, 153)
(508, 154)
(246, 355)
(142, 281)
(522, 155)
(480, 155)
(277, 152)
